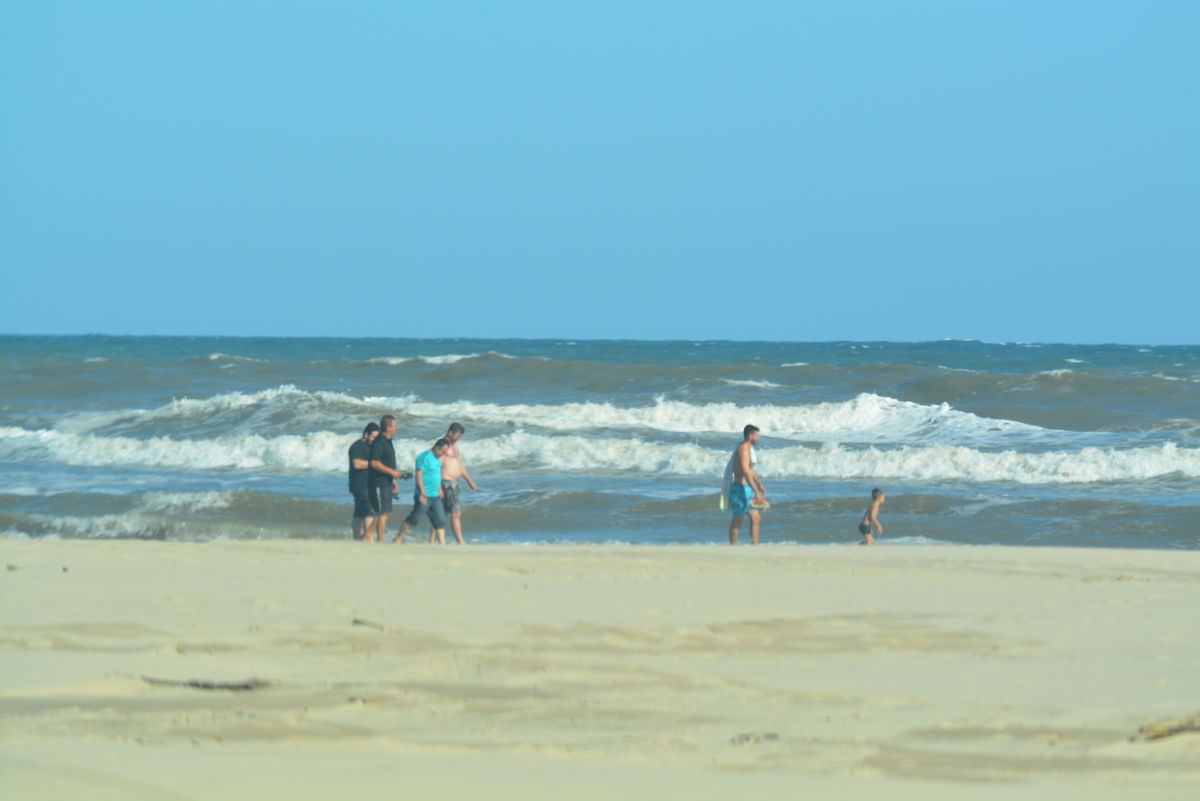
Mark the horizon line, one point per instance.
(605, 339)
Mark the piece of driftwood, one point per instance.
(200, 684)
(358, 621)
(1157, 731)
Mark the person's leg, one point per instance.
(739, 504)
(404, 527)
(379, 504)
(362, 509)
(755, 522)
(363, 525)
(453, 509)
(410, 521)
(437, 516)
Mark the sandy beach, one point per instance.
(298, 669)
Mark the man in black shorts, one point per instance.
(383, 478)
(360, 463)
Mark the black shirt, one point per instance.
(358, 478)
(382, 451)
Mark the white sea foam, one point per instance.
(1074, 361)
(119, 526)
(96, 359)
(738, 382)
(868, 418)
(1056, 373)
(321, 452)
(946, 462)
(865, 418)
(795, 364)
(248, 407)
(522, 451)
(450, 358)
(180, 502)
(13, 534)
(215, 357)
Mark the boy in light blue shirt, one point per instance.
(427, 498)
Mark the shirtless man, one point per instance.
(746, 489)
(452, 470)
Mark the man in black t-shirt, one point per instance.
(383, 478)
(360, 463)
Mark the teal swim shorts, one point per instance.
(740, 496)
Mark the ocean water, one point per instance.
(196, 438)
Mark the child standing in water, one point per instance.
(871, 517)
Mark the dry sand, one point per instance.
(594, 672)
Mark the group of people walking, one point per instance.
(375, 481)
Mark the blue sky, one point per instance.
(1007, 171)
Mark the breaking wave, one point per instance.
(867, 418)
(521, 451)
(449, 358)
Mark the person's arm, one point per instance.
(360, 448)
(421, 486)
(383, 468)
(874, 521)
(758, 485)
(470, 481)
(376, 455)
(376, 464)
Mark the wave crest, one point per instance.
(520, 451)
(865, 418)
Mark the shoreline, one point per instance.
(892, 544)
(587, 671)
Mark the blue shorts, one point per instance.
(432, 507)
(740, 496)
